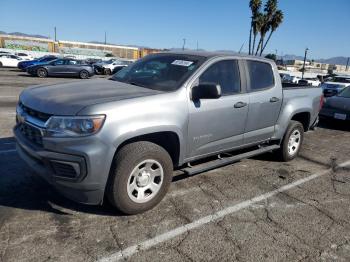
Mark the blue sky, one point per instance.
(322, 26)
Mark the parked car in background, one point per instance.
(62, 67)
(24, 64)
(333, 88)
(114, 67)
(286, 78)
(337, 106)
(92, 61)
(24, 56)
(309, 81)
(98, 67)
(9, 60)
(121, 138)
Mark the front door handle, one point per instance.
(274, 99)
(240, 104)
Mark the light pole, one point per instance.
(302, 75)
(183, 46)
(55, 35)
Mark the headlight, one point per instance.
(61, 126)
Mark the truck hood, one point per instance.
(69, 98)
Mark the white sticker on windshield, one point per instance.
(182, 63)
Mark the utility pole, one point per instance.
(302, 75)
(183, 46)
(105, 37)
(197, 45)
(347, 64)
(55, 35)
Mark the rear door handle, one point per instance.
(240, 104)
(274, 99)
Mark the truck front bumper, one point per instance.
(79, 176)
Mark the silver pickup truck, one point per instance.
(122, 137)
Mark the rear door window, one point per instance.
(226, 74)
(260, 75)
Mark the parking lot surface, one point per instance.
(256, 210)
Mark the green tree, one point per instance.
(271, 56)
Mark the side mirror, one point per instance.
(206, 91)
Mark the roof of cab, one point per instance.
(208, 54)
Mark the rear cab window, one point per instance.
(260, 74)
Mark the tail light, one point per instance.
(321, 101)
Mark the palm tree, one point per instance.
(259, 21)
(269, 11)
(275, 23)
(255, 6)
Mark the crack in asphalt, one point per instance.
(7, 243)
(178, 211)
(116, 240)
(177, 247)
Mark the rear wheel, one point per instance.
(84, 74)
(0, 64)
(41, 72)
(292, 141)
(140, 177)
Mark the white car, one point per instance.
(115, 66)
(9, 60)
(24, 56)
(311, 81)
(287, 78)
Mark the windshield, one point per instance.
(345, 92)
(163, 72)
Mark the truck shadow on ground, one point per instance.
(22, 189)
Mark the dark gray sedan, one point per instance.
(338, 106)
(62, 67)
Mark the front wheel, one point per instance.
(140, 177)
(41, 72)
(292, 141)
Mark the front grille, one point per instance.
(36, 114)
(63, 169)
(31, 133)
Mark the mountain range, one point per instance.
(339, 60)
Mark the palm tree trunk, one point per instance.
(250, 39)
(254, 39)
(260, 42)
(261, 45)
(262, 50)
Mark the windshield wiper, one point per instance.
(135, 84)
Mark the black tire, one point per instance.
(127, 160)
(287, 153)
(41, 72)
(0, 64)
(83, 74)
(107, 71)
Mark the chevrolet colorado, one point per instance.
(122, 137)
